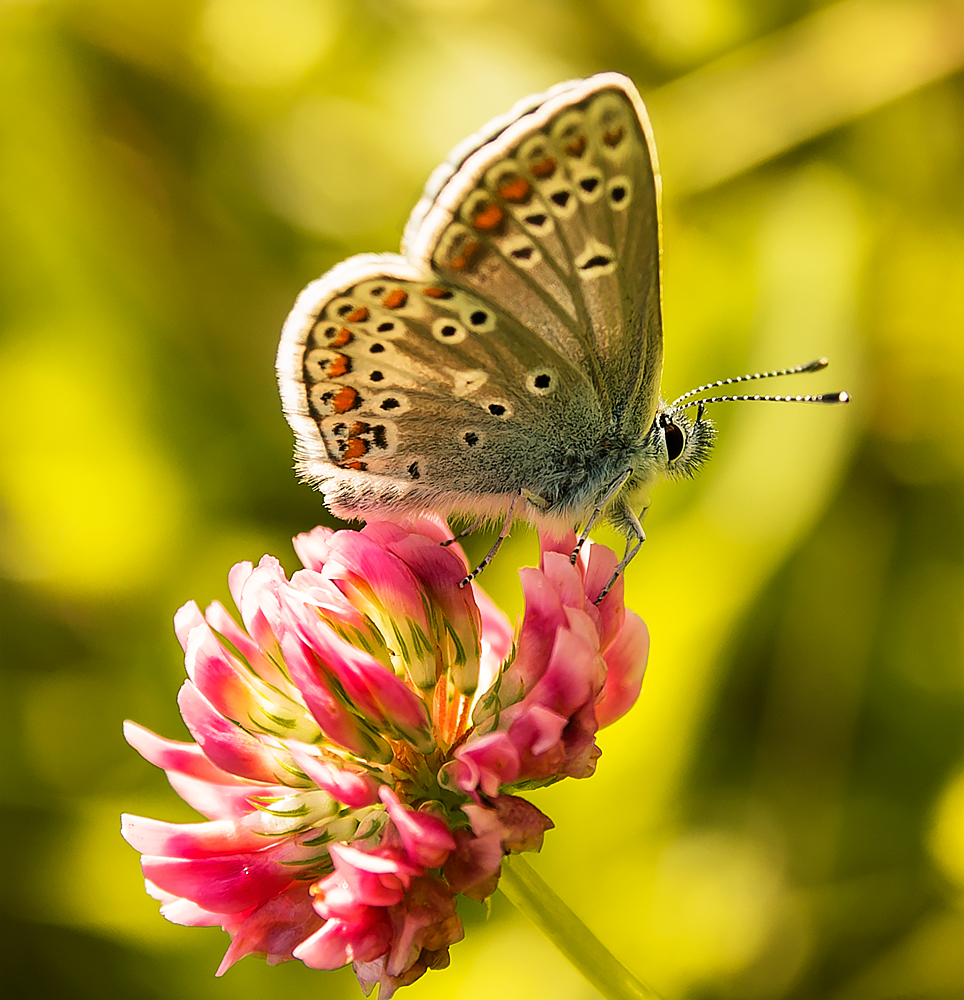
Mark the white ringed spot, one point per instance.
(448, 331)
(541, 381)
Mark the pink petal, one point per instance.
(565, 579)
(261, 604)
(312, 547)
(188, 914)
(371, 688)
(544, 616)
(190, 840)
(427, 839)
(367, 574)
(237, 577)
(373, 878)
(330, 712)
(496, 628)
(626, 660)
(177, 758)
(325, 596)
(224, 742)
(226, 884)
(216, 801)
(562, 542)
(348, 787)
(186, 618)
(487, 762)
(600, 566)
(275, 928)
(570, 678)
(440, 571)
(217, 674)
(340, 942)
(216, 615)
(533, 728)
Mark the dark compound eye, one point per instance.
(675, 441)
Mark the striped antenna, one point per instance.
(813, 366)
(827, 397)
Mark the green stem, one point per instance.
(529, 894)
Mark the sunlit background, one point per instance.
(782, 815)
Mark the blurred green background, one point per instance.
(782, 815)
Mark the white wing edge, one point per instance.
(473, 156)
(289, 363)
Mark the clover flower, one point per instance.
(358, 743)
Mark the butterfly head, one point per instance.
(681, 443)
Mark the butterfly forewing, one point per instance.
(555, 218)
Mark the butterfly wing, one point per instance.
(407, 393)
(552, 212)
(498, 355)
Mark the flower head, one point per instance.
(359, 740)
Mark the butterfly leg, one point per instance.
(597, 510)
(465, 531)
(624, 518)
(490, 555)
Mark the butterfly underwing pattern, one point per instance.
(507, 363)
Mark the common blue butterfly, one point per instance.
(507, 364)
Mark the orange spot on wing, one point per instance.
(576, 147)
(356, 448)
(462, 258)
(515, 190)
(395, 299)
(357, 466)
(489, 218)
(339, 365)
(359, 427)
(437, 293)
(544, 168)
(614, 136)
(345, 399)
(358, 315)
(341, 338)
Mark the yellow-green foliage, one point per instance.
(782, 815)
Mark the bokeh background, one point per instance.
(782, 815)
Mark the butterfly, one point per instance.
(507, 363)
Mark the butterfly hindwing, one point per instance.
(419, 394)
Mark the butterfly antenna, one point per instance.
(813, 366)
(827, 397)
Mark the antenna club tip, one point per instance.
(816, 366)
(835, 397)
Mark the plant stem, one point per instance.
(529, 894)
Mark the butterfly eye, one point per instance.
(675, 441)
